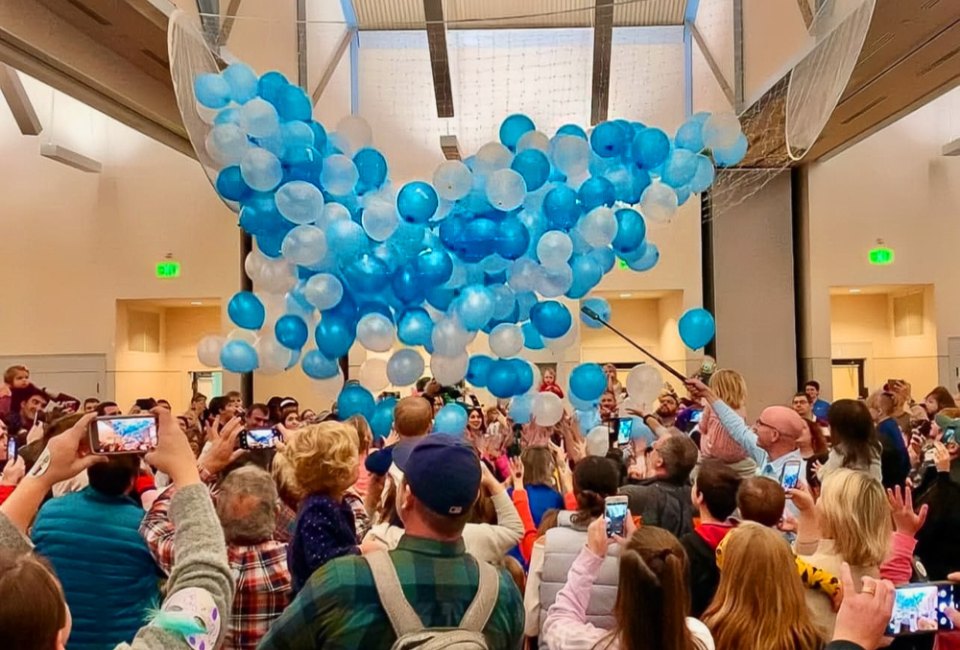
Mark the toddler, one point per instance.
(715, 441)
(13, 377)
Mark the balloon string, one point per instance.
(595, 316)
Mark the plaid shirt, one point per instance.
(262, 577)
(339, 606)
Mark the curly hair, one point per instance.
(325, 457)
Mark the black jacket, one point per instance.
(704, 574)
(938, 542)
(662, 503)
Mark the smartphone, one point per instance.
(790, 477)
(615, 512)
(123, 434)
(265, 438)
(949, 435)
(514, 450)
(696, 416)
(11, 448)
(624, 431)
(920, 608)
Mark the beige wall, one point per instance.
(774, 40)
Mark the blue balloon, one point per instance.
(451, 420)
(475, 307)
(534, 166)
(582, 405)
(608, 139)
(293, 104)
(513, 128)
(531, 337)
(631, 230)
(367, 275)
(211, 90)
(596, 191)
(346, 239)
(415, 327)
(521, 409)
(239, 356)
(572, 129)
(523, 373)
(732, 155)
(680, 168)
(372, 167)
(408, 286)
(270, 243)
(434, 267)
(417, 202)
(586, 275)
(705, 175)
(513, 239)
(319, 135)
(561, 208)
(316, 366)
(478, 369)
(270, 84)
(227, 116)
(605, 257)
(354, 399)
(551, 319)
(297, 140)
(697, 328)
(382, 421)
(588, 381)
(588, 419)
(334, 336)
(291, 331)
(690, 135)
(651, 148)
(246, 311)
(242, 81)
(502, 378)
(647, 259)
(230, 184)
(600, 307)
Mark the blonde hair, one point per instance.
(364, 433)
(325, 457)
(760, 601)
(290, 491)
(730, 386)
(412, 417)
(854, 513)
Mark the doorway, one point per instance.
(848, 379)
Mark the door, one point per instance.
(847, 379)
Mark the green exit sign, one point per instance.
(622, 264)
(168, 269)
(881, 256)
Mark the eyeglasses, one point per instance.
(761, 423)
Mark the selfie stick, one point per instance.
(595, 316)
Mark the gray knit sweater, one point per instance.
(201, 560)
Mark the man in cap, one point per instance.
(339, 607)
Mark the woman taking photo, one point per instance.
(652, 605)
(854, 438)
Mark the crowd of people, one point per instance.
(787, 533)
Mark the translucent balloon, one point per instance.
(721, 130)
(533, 140)
(380, 219)
(690, 134)
(417, 202)
(659, 203)
(304, 245)
(450, 420)
(547, 408)
(449, 370)
(609, 139)
(356, 131)
(730, 156)
(520, 409)
(570, 154)
(299, 202)
(650, 148)
(554, 248)
(371, 167)
(588, 381)
(375, 332)
(239, 356)
(449, 338)
(680, 168)
(261, 170)
(323, 291)
(505, 189)
(354, 399)
(415, 327)
(226, 144)
(506, 340)
(275, 276)
(373, 374)
(405, 367)
(491, 157)
(513, 128)
(697, 328)
(648, 258)
(297, 136)
(597, 438)
(533, 166)
(291, 331)
(475, 307)
(452, 180)
(211, 90)
(346, 239)
(505, 301)
(245, 310)
(332, 212)
(259, 118)
(339, 175)
(551, 318)
(208, 350)
(644, 384)
(242, 81)
(600, 307)
(478, 368)
(598, 227)
(240, 334)
(586, 275)
(703, 178)
(554, 281)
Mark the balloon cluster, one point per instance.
(489, 244)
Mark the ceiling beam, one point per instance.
(302, 70)
(712, 64)
(602, 48)
(450, 147)
(806, 11)
(439, 60)
(342, 48)
(19, 102)
(229, 18)
(209, 11)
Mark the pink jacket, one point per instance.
(715, 442)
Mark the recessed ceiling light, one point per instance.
(196, 302)
(626, 295)
(856, 290)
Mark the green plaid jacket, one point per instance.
(339, 606)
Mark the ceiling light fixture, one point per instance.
(856, 291)
(626, 295)
(195, 302)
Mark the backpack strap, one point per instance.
(488, 590)
(402, 616)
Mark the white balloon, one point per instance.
(570, 154)
(449, 370)
(240, 334)
(449, 337)
(304, 245)
(376, 333)
(339, 175)
(356, 131)
(274, 306)
(331, 387)
(274, 358)
(721, 130)
(452, 180)
(323, 291)
(599, 227)
(547, 409)
(380, 219)
(533, 140)
(506, 340)
(405, 367)
(598, 441)
(537, 379)
(505, 189)
(659, 203)
(554, 281)
(554, 248)
(373, 375)
(299, 202)
(332, 212)
(644, 384)
(208, 350)
(226, 144)
(491, 157)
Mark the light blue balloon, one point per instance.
(354, 399)
(703, 179)
(405, 367)
(551, 318)
(451, 420)
(323, 291)
(531, 337)
(211, 90)
(346, 239)
(239, 356)
(417, 202)
(588, 381)
(732, 155)
(697, 328)
(339, 175)
(296, 137)
(259, 118)
(291, 331)
(316, 366)
(600, 307)
(521, 409)
(588, 419)
(582, 405)
(228, 116)
(647, 260)
(415, 327)
(572, 129)
(513, 128)
(690, 135)
(245, 310)
(261, 170)
(680, 168)
(586, 275)
(242, 81)
(382, 421)
(605, 257)
(475, 307)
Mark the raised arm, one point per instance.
(731, 421)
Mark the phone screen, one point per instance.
(11, 448)
(261, 438)
(624, 431)
(124, 434)
(920, 608)
(791, 475)
(616, 515)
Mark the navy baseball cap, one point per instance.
(442, 471)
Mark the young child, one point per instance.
(13, 377)
(326, 461)
(715, 442)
